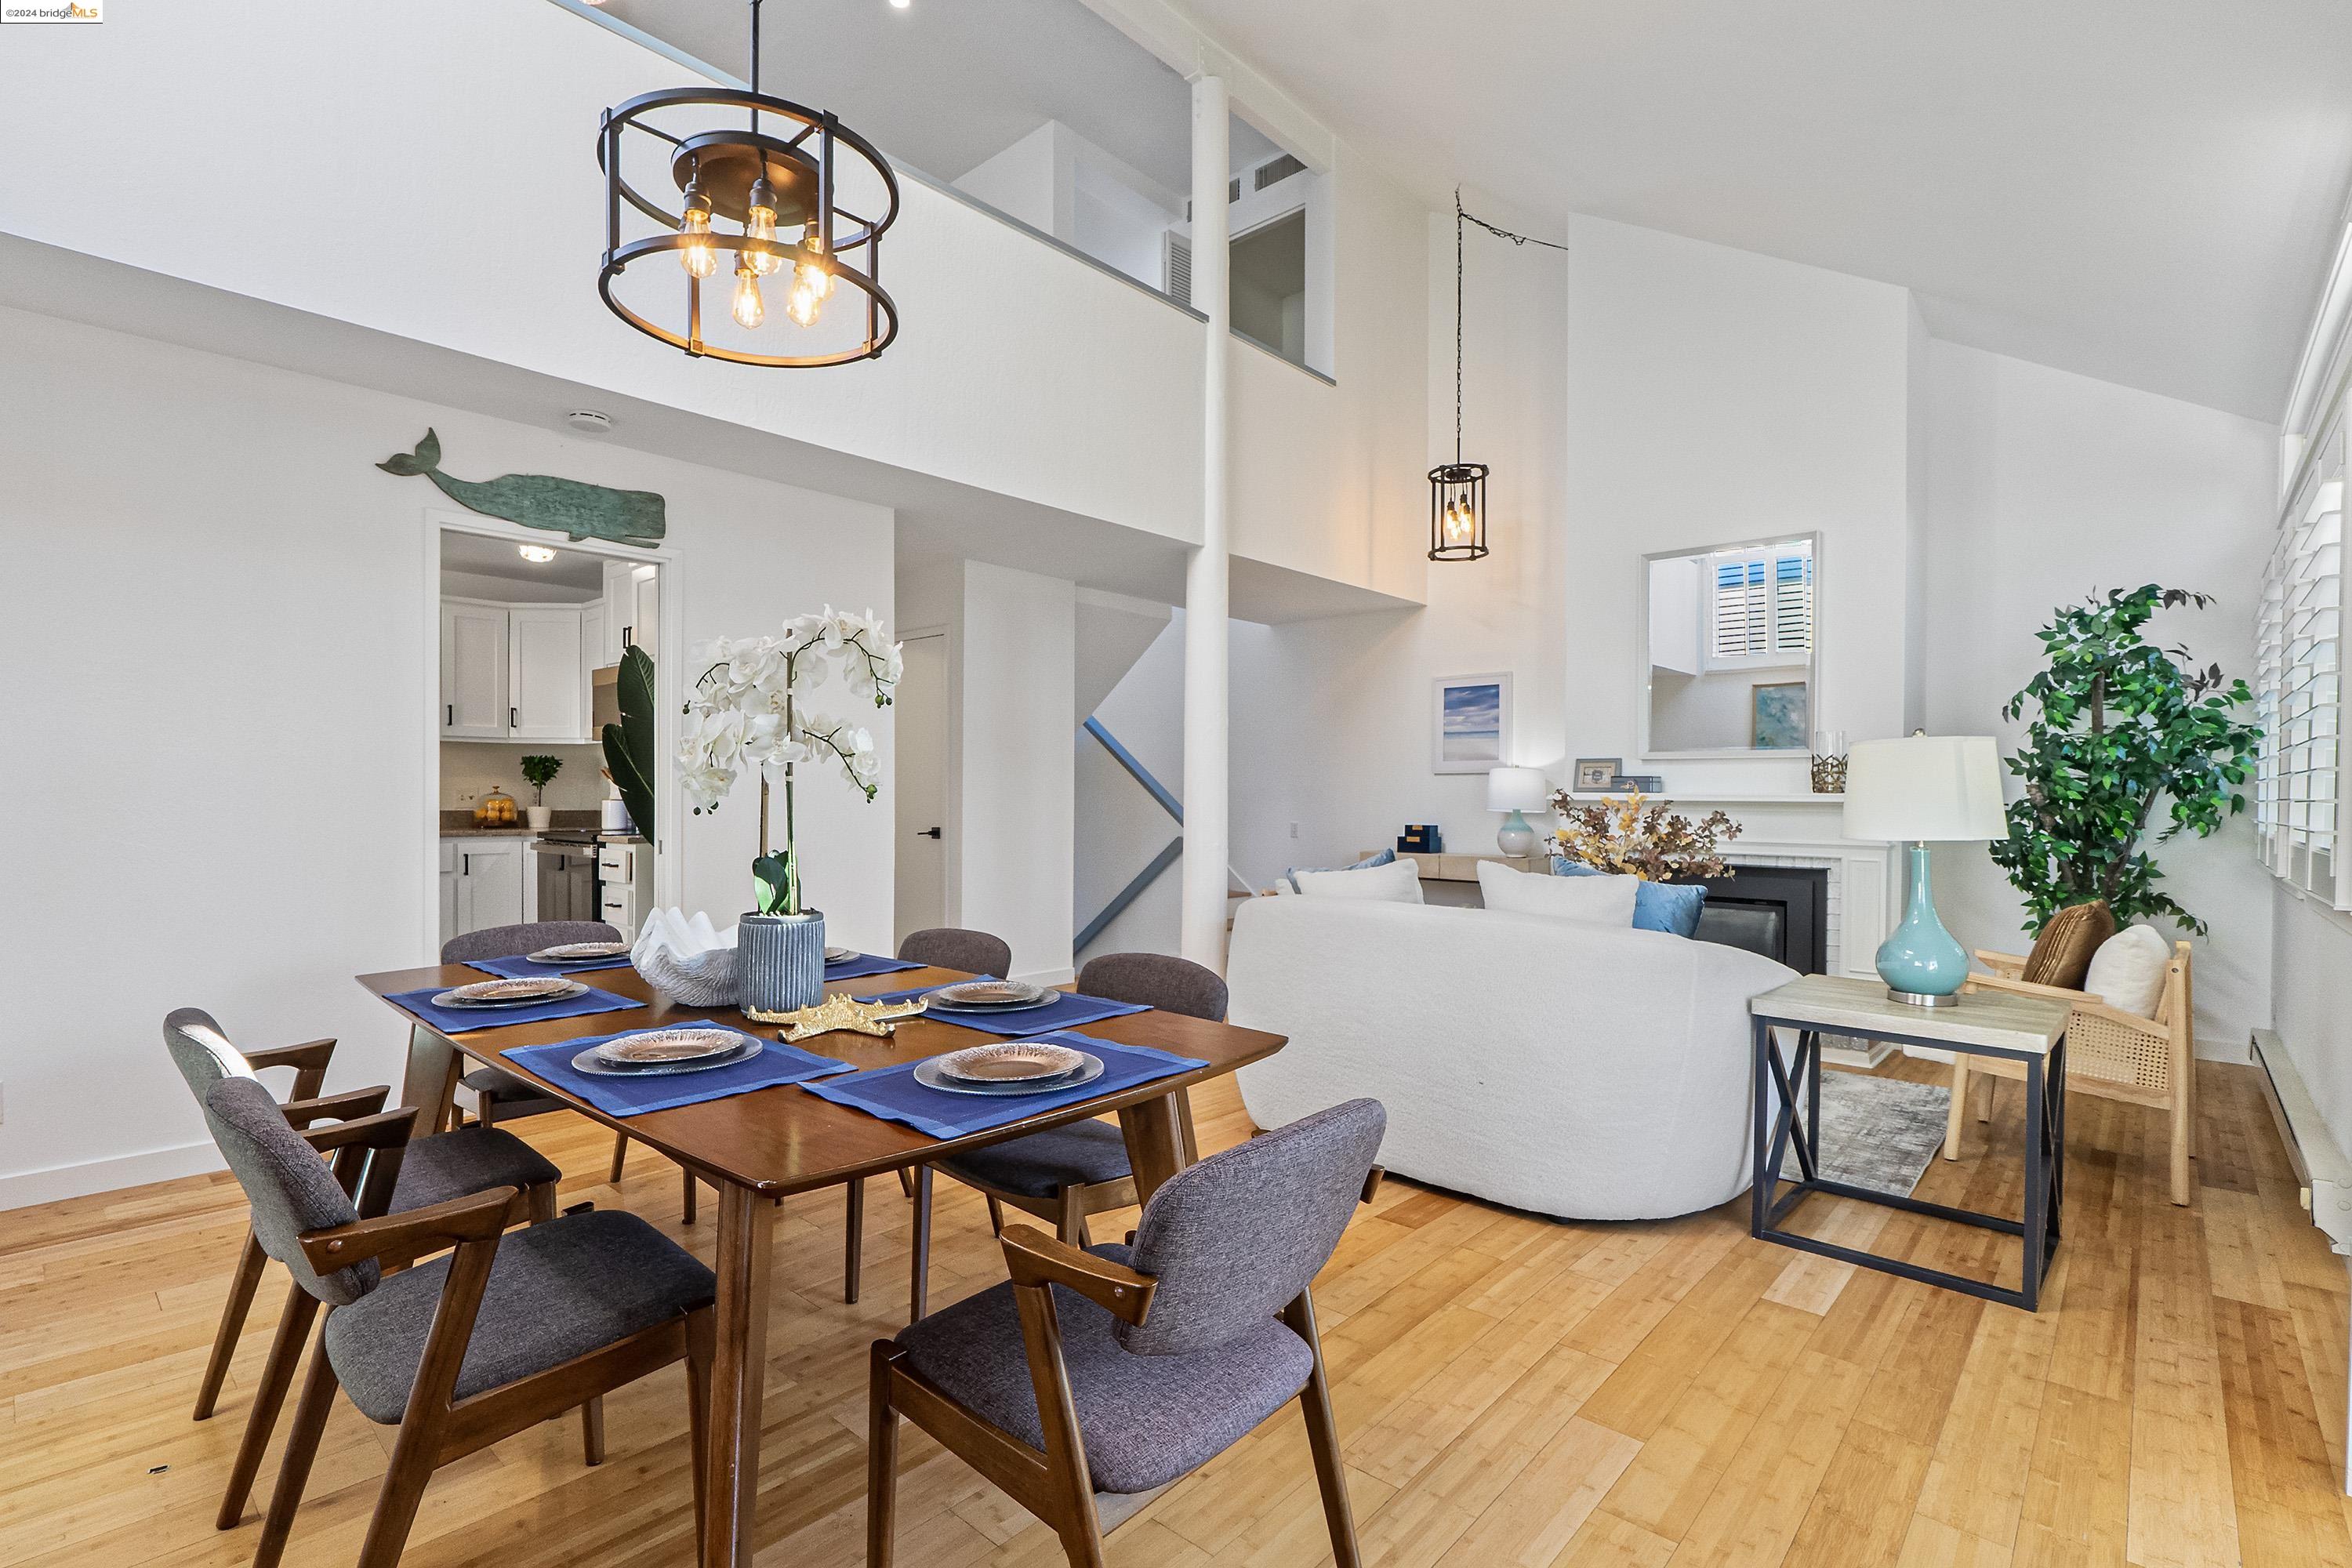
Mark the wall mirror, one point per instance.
(1727, 657)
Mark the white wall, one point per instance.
(1119, 826)
(1028, 180)
(1013, 747)
(2044, 486)
(2311, 997)
(216, 710)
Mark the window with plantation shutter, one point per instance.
(2298, 679)
(1761, 605)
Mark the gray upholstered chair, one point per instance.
(476, 1344)
(1066, 1173)
(431, 1171)
(952, 947)
(1095, 1379)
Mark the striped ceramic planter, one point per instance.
(780, 961)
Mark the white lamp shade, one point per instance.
(1518, 789)
(1944, 788)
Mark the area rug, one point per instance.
(1877, 1132)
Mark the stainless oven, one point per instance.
(566, 873)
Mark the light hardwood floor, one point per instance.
(1512, 1391)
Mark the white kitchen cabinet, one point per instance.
(448, 889)
(543, 690)
(591, 654)
(620, 611)
(645, 616)
(473, 670)
(624, 878)
(486, 886)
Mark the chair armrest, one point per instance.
(1036, 1258)
(343, 1107)
(2029, 988)
(2133, 1020)
(308, 1059)
(481, 1218)
(385, 1130)
(2008, 965)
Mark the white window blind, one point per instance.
(1760, 604)
(2298, 679)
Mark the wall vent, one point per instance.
(1276, 169)
(1178, 271)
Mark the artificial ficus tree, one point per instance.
(2119, 723)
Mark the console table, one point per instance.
(2027, 1030)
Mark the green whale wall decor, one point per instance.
(567, 507)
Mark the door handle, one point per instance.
(927, 833)
(450, 711)
(513, 720)
(468, 861)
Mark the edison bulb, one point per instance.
(698, 255)
(804, 304)
(759, 223)
(749, 309)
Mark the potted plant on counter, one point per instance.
(538, 772)
(750, 708)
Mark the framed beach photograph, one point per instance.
(1595, 775)
(1470, 721)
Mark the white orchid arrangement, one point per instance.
(750, 708)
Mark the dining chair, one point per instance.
(503, 1096)
(1095, 1379)
(431, 1171)
(1066, 1173)
(495, 1336)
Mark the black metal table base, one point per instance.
(1776, 1134)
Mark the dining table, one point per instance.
(759, 1148)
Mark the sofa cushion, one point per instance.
(1671, 907)
(1593, 900)
(1291, 874)
(2127, 972)
(1398, 882)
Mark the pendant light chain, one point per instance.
(1458, 216)
(1457, 491)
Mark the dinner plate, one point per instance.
(654, 1048)
(990, 996)
(525, 993)
(578, 952)
(1025, 1062)
(588, 1062)
(927, 1074)
(840, 954)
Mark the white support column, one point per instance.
(1202, 927)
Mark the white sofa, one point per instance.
(1570, 1069)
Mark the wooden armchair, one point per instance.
(2110, 1053)
(1095, 1380)
(504, 1332)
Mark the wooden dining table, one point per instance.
(760, 1147)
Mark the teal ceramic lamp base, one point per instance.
(1920, 961)
(1517, 835)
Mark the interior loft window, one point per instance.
(2298, 679)
(1761, 605)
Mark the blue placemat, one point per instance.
(866, 964)
(462, 1020)
(892, 1093)
(1067, 1011)
(532, 969)
(776, 1064)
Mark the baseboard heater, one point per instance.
(2319, 1164)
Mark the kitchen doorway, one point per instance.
(533, 636)
(920, 785)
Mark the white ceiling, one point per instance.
(2145, 191)
(947, 84)
(572, 574)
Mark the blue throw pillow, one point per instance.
(1385, 858)
(1657, 905)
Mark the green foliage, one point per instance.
(629, 744)
(538, 772)
(2119, 722)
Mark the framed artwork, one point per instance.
(1778, 716)
(1470, 723)
(1595, 774)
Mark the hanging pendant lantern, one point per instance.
(798, 196)
(1457, 491)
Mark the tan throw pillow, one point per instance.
(1587, 901)
(2062, 953)
(2127, 972)
(1396, 883)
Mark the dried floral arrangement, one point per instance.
(1634, 835)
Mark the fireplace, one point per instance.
(1781, 911)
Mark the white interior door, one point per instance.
(920, 785)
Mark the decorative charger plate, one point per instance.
(1024, 1061)
(990, 996)
(929, 1075)
(578, 952)
(511, 992)
(592, 1059)
(839, 955)
(656, 1048)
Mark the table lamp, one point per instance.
(1919, 790)
(1516, 790)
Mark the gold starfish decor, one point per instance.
(839, 1011)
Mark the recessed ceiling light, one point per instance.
(538, 553)
(900, 5)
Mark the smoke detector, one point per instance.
(588, 419)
